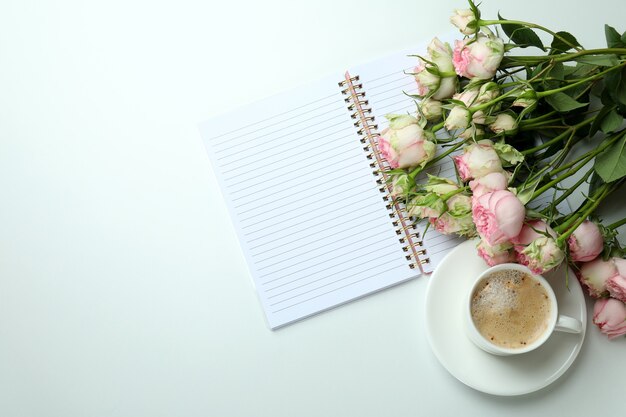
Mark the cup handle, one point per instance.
(568, 324)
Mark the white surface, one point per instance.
(446, 298)
(123, 291)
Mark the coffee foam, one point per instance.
(510, 308)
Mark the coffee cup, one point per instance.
(509, 311)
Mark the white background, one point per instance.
(123, 291)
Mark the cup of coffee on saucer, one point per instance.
(509, 311)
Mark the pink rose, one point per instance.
(498, 216)
(495, 255)
(586, 243)
(478, 160)
(609, 315)
(494, 181)
(617, 283)
(536, 247)
(595, 274)
(404, 144)
(478, 58)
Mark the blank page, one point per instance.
(309, 216)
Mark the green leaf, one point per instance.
(526, 191)
(595, 125)
(611, 122)
(613, 38)
(611, 164)
(600, 60)
(509, 156)
(615, 86)
(595, 183)
(563, 103)
(567, 42)
(521, 35)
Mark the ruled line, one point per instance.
(318, 255)
(317, 232)
(360, 255)
(327, 242)
(256, 138)
(328, 292)
(284, 228)
(382, 256)
(370, 268)
(274, 116)
(301, 170)
(258, 173)
(284, 150)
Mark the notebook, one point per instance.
(306, 190)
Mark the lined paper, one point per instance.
(312, 224)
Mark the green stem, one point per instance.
(530, 25)
(541, 94)
(617, 224)
(570, 228)
(571, 189)
(445, 197)
(550, 184)
(532, 126)
(437, 127)
(558, 137)
(515, 61)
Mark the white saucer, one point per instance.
(497, 375)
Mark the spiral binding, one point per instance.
(358, 105)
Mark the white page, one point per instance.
(385, 83)
(310, 219)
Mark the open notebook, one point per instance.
(301, 175)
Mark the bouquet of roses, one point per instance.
(512, 123)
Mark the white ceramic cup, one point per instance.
(556, 322)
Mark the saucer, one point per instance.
(496, 375)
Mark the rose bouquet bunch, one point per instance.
(514, 126)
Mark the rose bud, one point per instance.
(478, 160)
(404, 144)
(458, 217)
(595, 274)
(498, 216)
(462, 19)
(434, 80)
(449, 224)
(488, 92)
(401, 185)
(609, 315)
(527, 99)
(440, 54)
(472, 132)
(459, 118)
(617, 283)
(494, 181)
(478, 58)
(424, 206)
(496, 255)
(469, 98)
(586, 243)
(431, 109)
(536, 247)
(504, 123)
(439, 185)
